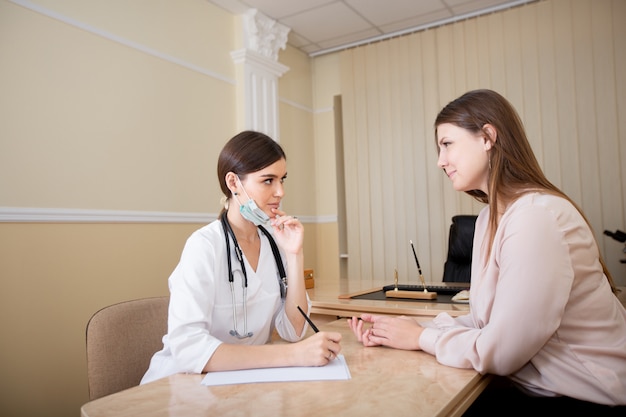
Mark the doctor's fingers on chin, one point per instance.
(290, 222)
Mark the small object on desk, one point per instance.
(395, 279)
(419, 269)
(419, 295)
(461, 297)
(313, 326)
(309, 279)
(448, 288)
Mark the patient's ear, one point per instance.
(491, 135)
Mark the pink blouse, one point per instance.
(541, 309)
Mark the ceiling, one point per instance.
(323, 26)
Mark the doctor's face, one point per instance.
(265, 186)
(464, 157)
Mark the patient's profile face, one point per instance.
(463, 156)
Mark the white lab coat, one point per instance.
(201, 309)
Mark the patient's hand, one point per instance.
(396, 332)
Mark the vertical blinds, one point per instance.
(560, 63)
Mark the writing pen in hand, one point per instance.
(313, 326)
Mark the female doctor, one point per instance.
(234, 286)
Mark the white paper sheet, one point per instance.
(337, 369)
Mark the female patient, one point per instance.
(543, 309)
(233, 287)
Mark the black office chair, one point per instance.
(620, 237)
(458, 264)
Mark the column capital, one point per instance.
(263, 35)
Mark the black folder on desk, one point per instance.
(445, 291)
(449, 288)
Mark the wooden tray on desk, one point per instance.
(445, 291)
(415, 295)
(354, 303)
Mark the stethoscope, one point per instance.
(282, 276)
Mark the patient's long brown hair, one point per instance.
(514, 170)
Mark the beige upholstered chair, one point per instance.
(121, 340)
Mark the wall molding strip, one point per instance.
(58, 215)
(55, 215)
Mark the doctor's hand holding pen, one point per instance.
(317, 350)
(320, 348)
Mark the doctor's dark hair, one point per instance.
(246, 152)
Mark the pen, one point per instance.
(313, 326)
(419, 269)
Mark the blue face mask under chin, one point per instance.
(250, 211)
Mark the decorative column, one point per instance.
(258, 71)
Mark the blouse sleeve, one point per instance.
(530, 276)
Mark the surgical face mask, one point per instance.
(250, 211)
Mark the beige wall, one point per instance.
(94, 123)
(54, 277)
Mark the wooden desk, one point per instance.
(325, 300)
(384, 382)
